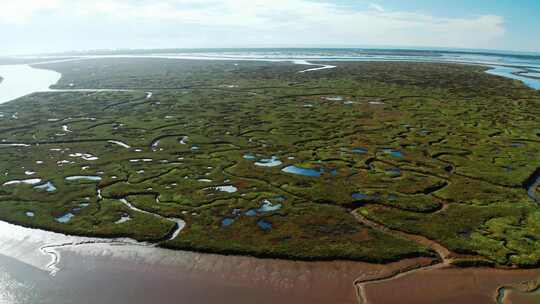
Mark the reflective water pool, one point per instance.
(268, 162)
(227, 222)
(308, 171)
(92, 178)
(65, 218)
(21, 80)
(359, 150)
(48, 186)
(264, 224)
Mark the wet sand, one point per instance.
(451, 285)
(182, 277)
(138, 273)
(517, 297)
(149, 275)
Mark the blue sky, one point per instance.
(32, 26)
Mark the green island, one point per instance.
(259, 159)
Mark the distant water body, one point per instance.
(515, 66)
(20, 80)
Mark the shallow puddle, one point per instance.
(268, 206)
(251, 212)
(264, 224)
(92, 178)
(359, 150)
(65, 218)
(228, 189)
(249, 157)
(393, 153)
(335, 98)
(308, 171)
(48, 186)
(123, 219)
(31, 181)
(268, 162)
(227, 222)
(359, 196)
(84, 156)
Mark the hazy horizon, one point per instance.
(52, 26)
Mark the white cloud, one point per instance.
(21, 11)
(219, 23)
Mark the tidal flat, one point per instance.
(445, 169)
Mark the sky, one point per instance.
(37, 26)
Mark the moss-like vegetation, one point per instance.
(433, 149)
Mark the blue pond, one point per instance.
(227, 222)
(48, 186)
(30, 214)
(269, 162)
(359, 196)
(251, 212)
(264, 224)
(394, 153)
(249, 157)
(65, 218)
(360, 150)
(307, 171)
(267, 206)
(303, 171)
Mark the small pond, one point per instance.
(249, 157)
(359, 196)
(268, 162)
(48, 186)
(65, 218)
(228, 189)
(359, 150)
(91, 178)
(32, 181)
(264, 224)
(268, 206)
(227, 222)
(393, 153)
(307, 171)
(123, 219)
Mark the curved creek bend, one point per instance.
(71, 269)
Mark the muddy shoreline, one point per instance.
(142, 274)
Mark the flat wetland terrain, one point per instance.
(376, 162)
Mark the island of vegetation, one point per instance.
(371, 161)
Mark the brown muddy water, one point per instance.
(451, 285)
(138, 273)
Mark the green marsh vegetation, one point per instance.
(437, 150)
